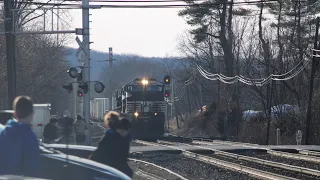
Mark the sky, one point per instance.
(146, 32)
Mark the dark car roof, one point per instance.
(86, 166)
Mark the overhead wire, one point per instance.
(182, 93)
(188, 4)
(255, 82)
(274, 76)
(135, 1)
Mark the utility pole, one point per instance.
(238, 114)
(110, 78)
(109, 69)
(269, 105)
(201, 97)
(86, 70)
(172, 99)
(218, 101)
(189, 105)
(75, 100)
(10, 51)
(313, 71)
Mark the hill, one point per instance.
(97, 67)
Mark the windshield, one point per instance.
(150, 88)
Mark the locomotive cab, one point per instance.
(142, 101)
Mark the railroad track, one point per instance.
(147, 175)
(153, 176)
(223, 163)
(285, 167)
(306, 155)
(308, 152)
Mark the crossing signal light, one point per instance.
(166, 79)
(99, 87)
(68, 87)
(80, 94)
(84, 87)
(166, 93)
(79, 77)
(73, 72)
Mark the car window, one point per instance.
(4, 117)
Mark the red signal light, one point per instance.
(166, 93)
(80, 94)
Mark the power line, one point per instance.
(254, 82)
(116, 1)
(206, 4)
(188, 2)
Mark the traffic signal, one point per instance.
(166, 79)
(166, 93)
(68, 87)
(80, 94)
(79, 77)
(99, 87)
(73, 72)
(84, 87)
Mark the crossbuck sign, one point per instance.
(81, 53)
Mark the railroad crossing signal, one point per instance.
(81, 53)
(80, 77)
(80, 94)
(83, 86)
(167, 80)
(68, 87)
(166, 93)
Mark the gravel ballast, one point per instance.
(189, 168)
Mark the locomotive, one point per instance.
(143, 102)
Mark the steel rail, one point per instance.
(162, 168)
(224, 164)
(273, 152)
(147, 175)
(259, 161)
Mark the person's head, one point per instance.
(79, 117)
(125, 124)
(23, 109)
(54, 121)
(111, 119)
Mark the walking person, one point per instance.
(19, 152)
(51, 130)
(80, 129)
(113, 149)
(124, 130)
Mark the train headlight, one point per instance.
(136, 114)
(155, 114)
(145, 82)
